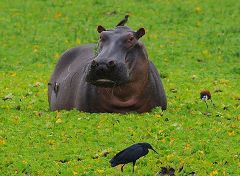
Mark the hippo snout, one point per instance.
(102, 69)
(107, 73)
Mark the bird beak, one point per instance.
(155, 151)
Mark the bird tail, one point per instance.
(123, 22)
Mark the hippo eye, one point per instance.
(130, 39)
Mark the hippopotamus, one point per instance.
(114, 75)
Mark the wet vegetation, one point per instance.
(195, 46)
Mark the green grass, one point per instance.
(195, 46)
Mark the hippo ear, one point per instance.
(140, 32)
(100, 29)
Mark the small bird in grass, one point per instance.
(131, 154)
(124, 21)
(206, 95)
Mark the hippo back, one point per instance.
(158, 92)
(69, 73)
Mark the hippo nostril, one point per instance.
(94, 64)
(111, 64)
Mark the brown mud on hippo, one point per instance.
(113, 76)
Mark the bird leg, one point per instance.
(134, 162)
(213, 103)
(206, 104)
(122, 167)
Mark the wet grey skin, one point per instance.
(114, 75)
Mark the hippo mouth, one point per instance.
(102, 76)
(104, 83)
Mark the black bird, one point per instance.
(206, 95)
(131, 154)
(124, 21)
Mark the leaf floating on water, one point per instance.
(18, 107)
(39, 114)
(237, 98)
(218, 90)
(37, 84)
(192, 173)
(104, 153)
(28, 94)
(207, 114)
(8, 97)
(112, 13)
(194, 77)
(95, 156)
(173, 90)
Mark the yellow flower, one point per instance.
(160, 131)
(205, 52)
(169, 157)
(58, 114)
(35, 48)
(215, 172)
(15, 121)
(232, 133)
(224, 81)
(56, 56)
(51, 142)
(172, 140)
(40, 65)
(2, 142)
(198, 9)
(13, 74)
(187, 147)
(59, 120)
(238, 118)
(153, 36)
(78, 41)
(99, 171)
(75, 173)
(163, 141)
(194, 76)
(198, 24)
(57, 15)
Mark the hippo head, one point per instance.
(111, 65)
